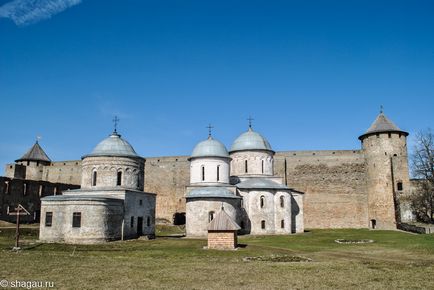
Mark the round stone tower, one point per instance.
(251, 155)
(209, 163)
(113, 164)
(385, 148)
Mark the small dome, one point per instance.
(210, 148)
(250, 140)
(113, 145)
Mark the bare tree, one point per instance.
(423, 169)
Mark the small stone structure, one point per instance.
(111, 203)
(222, 232)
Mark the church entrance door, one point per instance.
(139, 225)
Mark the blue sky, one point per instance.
(312, 74)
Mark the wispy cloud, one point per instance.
(25, 12)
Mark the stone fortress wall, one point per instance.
(334, 183)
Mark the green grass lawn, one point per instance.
(395, 260)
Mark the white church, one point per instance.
(242, 181)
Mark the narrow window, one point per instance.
(76, 219)
(48, 218)
(262, 201)
(282, 201)
(399, 186)
(41, 190)
(245, 166)
(263, 225)
(210, 216)
(218, 172)
(262, 165)
(94, 177)
(203, 173)
(119, 179)
(132, 222)
(28, 163)
(390, 135)
(140, 202)
(25, 189)
(282, 224)
(148, 221)
(37, 163)
(242, 224)
(6, 187)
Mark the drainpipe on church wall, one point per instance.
(122, 229)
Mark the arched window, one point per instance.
(282, 224)
(245, 166)
(263, 225)
(94, 176)
(262, 201)
(218, 172)
(282, 201)
(119, 178)
(262, 165)
(210, 216)
(203, 173)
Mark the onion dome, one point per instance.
(36, 153)
(250, 140)
(210, 148)
(382, 124)
(113, 145)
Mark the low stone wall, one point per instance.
(419, 229)
(222, 240)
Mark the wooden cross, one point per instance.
(19, 211)
(209, 129)
(116, 121)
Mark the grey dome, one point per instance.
(113, 145)
(250, 140)
(210, 148)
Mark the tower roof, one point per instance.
(113, 145)
(210, 148)
(382, 124)
(250, 140)
(36, 153)
(223, 222)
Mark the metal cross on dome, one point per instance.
(250, 119)
(209, 129)
(116, 121)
